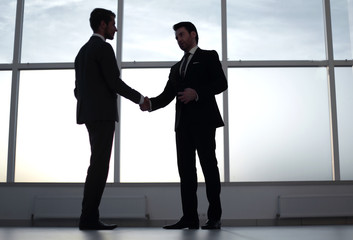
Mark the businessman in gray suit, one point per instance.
(96, 87)
(193, 82)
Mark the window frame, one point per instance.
(330, 63)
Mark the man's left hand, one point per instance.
(187, 95)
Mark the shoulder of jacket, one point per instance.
(208, 51)
(176, 65)
(99, 42)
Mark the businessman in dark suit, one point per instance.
(96, 87)
(194, 82)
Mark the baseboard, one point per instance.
(160, 223)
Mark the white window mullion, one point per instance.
(14, 92)
(225, 94)
(119, 40)
(332, 92)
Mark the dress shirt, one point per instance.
(98, 35)
(192, 52)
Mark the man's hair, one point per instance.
(188, 26)
(98, 15)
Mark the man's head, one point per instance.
(102, 21)
(186, 35)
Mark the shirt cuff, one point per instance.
(142, 99)
(150, 106)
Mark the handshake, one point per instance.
(146, 105)
(185, 97)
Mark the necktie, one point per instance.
(183, 67)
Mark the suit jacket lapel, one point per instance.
(194, 60)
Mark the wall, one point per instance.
(243, 201)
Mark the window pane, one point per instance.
(275, 30)
(54, 31)
(7, 30)
(279, 124)
(148, 152)
(51, 147)
(342, 24)
(148, 27)
(5, 95)
(344, 88)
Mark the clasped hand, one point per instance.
(145, 106)
(185, 97)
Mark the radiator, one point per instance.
(119, 207)
(301, 206)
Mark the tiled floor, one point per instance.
(227, 233)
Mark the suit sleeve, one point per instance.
(111, 73)
(217, 81)
(168, 93)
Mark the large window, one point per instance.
(5, 90)
(276, 30)
(342, 28)
(279, 124)
(147, 139)
(51, 147)
(148, 151)
(7, 30)
(59, 28)
(280, 108)
(148, 27)
(344, 87)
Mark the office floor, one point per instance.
(226, 233)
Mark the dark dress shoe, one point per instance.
(212, 224)
(183, 224)
(97, 226)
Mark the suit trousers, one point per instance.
(101, 134)
(200, 139)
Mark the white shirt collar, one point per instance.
(193, 50)
(98, 35)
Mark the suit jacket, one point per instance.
(205, 75)
(98, 82)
